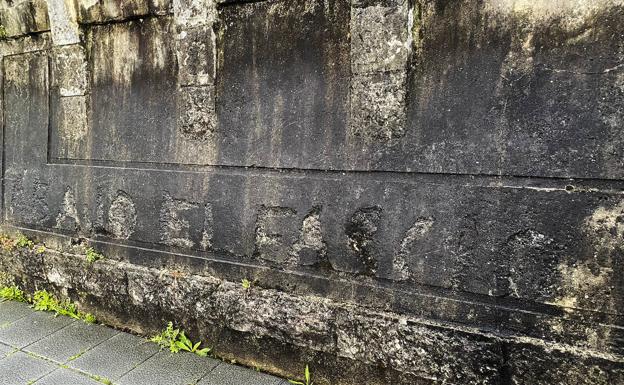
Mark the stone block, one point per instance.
(72, 125)
(196, 113)
(380, 38)
(69, 70)
(196, 56)
(378, 105)
(63, 22)
(192, 13)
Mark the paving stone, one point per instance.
(170, 369)
(63, 376)
(20, 368)
(226, 374)
(36, 326)
(120, 357)
(116, 356)
(4, 349)
(11, 311)
(75, 339)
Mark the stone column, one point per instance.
(196, 53)
(69, 76)
(381, 44)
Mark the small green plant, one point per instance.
(3, 32)
(8, 243)
(175, 340)
(101, 379)
(41, 249)
(12, 293)
(44, 301)
(93, 255)
(186, 344)
(246, 284)
(89, 318)
(307, 377)
(23, 242)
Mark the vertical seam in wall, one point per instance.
(2, 134)
(48, 87)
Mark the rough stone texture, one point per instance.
(378, 105)
(197, 114)
(418, 191)
(21, 17)
(63, 21)
(69, 70)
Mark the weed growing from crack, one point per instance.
(307, 378)
(23, 242)
(76, 356)
(101, 379)
(8, 243)
(13, 293)
(44, 301)
(176, 341)
(93, 255)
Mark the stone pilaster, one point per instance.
(381, 43)
(69, 75)
(196, 54)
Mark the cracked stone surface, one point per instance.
(39, 348)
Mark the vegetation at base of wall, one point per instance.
(3, 32)
(93, 255)
(43, 301)
(246, 284)
(8, 243)
(13, 293)
(23, 242)
(307, 377)
(176, 341)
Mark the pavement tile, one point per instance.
(4, 349)
(37, 325)
(63, 376)
(116, 356)
(20, 368)
(75, 339)
(11, 311)
(226, 374)
(97, 350)
(170, 369)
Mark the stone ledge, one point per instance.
(281, 332)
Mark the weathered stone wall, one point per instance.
(422, 191)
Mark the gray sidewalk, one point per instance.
(39, 348)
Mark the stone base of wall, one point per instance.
(279, 332)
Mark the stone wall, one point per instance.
(420, 191)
